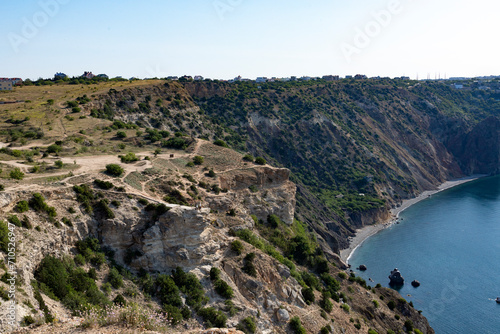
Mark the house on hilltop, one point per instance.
(88, 75)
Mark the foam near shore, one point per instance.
(364, 233)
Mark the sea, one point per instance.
(450, 243)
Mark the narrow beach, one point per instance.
(364, 233)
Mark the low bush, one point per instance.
(260, 161)
(129, 158)
(296, 326)
(115, 279)
(247, 325)
(103, 184)
(213, 317)
(237, 247)
(223, 289)
(22, 206)
(308, 295)
(114, 170)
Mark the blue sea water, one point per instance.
(451, 244)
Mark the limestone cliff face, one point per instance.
(181, 237)
(272, 192)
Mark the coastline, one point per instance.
(364, 233)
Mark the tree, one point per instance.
(114, 170)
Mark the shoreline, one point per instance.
(366, 232)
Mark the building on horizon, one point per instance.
(5, 85)
(331, 77)
(88, 75)
(60, 76)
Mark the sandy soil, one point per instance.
(364, 233)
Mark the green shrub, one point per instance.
(27, 320)
(260, 161)
(26, 223)
(121, 134)
(214, 273)
(173, 313)
(4, 236)
(13, 219)
(37, 203)
(189, 284)
(168, 292)
(190, 164)
(237, 247)
(219, 142)
(114, 170)
(198, 160)
(296, 326)
(248, 266)
(345, 307)
(308, 295)
(325, 302)
(54, 149)
(103, 184)
(80, 260)
(247, 325)
(248, 157)
(409, 326)
(129, 158)
(325, 329)
(59, 164)
(375, 303)
(115, 279)
(176, 143)
(120, 300)
(213, 317)
(22, 206)
(223, 289)
(371, 331)
(342, 275)
(98, 260)
(391, 305)
(16, 174)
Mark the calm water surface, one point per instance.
(451, 244)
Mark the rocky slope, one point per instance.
(196, 236)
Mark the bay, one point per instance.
(451, 244)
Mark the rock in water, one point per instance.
(415, 283)
(396, 278)
(362, 267)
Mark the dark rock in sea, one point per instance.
(396, 278)
(415, 283)
(362, 267)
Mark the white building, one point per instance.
(261, 79)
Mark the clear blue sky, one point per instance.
(226, 38)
